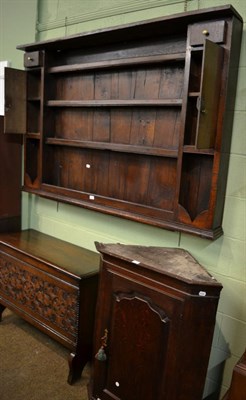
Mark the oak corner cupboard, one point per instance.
(154, 326)
(134, 120)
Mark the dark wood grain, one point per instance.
(136, 121)
(52, 284)
(10, 180)
(158, 305)
(237, 388)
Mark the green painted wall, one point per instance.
(225, 258)
(17, 25)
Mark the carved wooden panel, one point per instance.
(51, 301)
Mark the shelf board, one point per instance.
(61, 194)
(194, 94)
(35, 99)
(125, 62)
(194, 150)
(115, 103)
(123, 148)
(197, 49)
(33, 135)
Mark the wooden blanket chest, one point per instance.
(53, 285)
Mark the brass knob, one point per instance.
(205, 32)
(30, 58)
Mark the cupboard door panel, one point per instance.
(10, 180)
(209, 100)
(15, 101)
(141, 326)
(138, 327)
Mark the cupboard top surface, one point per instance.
(174, 262)
(174, 24)
(72, 258)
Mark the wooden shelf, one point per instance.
(155, 59)
(194, 150)
(33, 135)
(156, 151)
(115, 103)
(194, 94)
(34, 99)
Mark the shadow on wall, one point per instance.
(220, 352)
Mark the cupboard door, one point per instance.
(10, 181)
(15, 101)
(209, 99)
(138, 327)
(136, 335)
